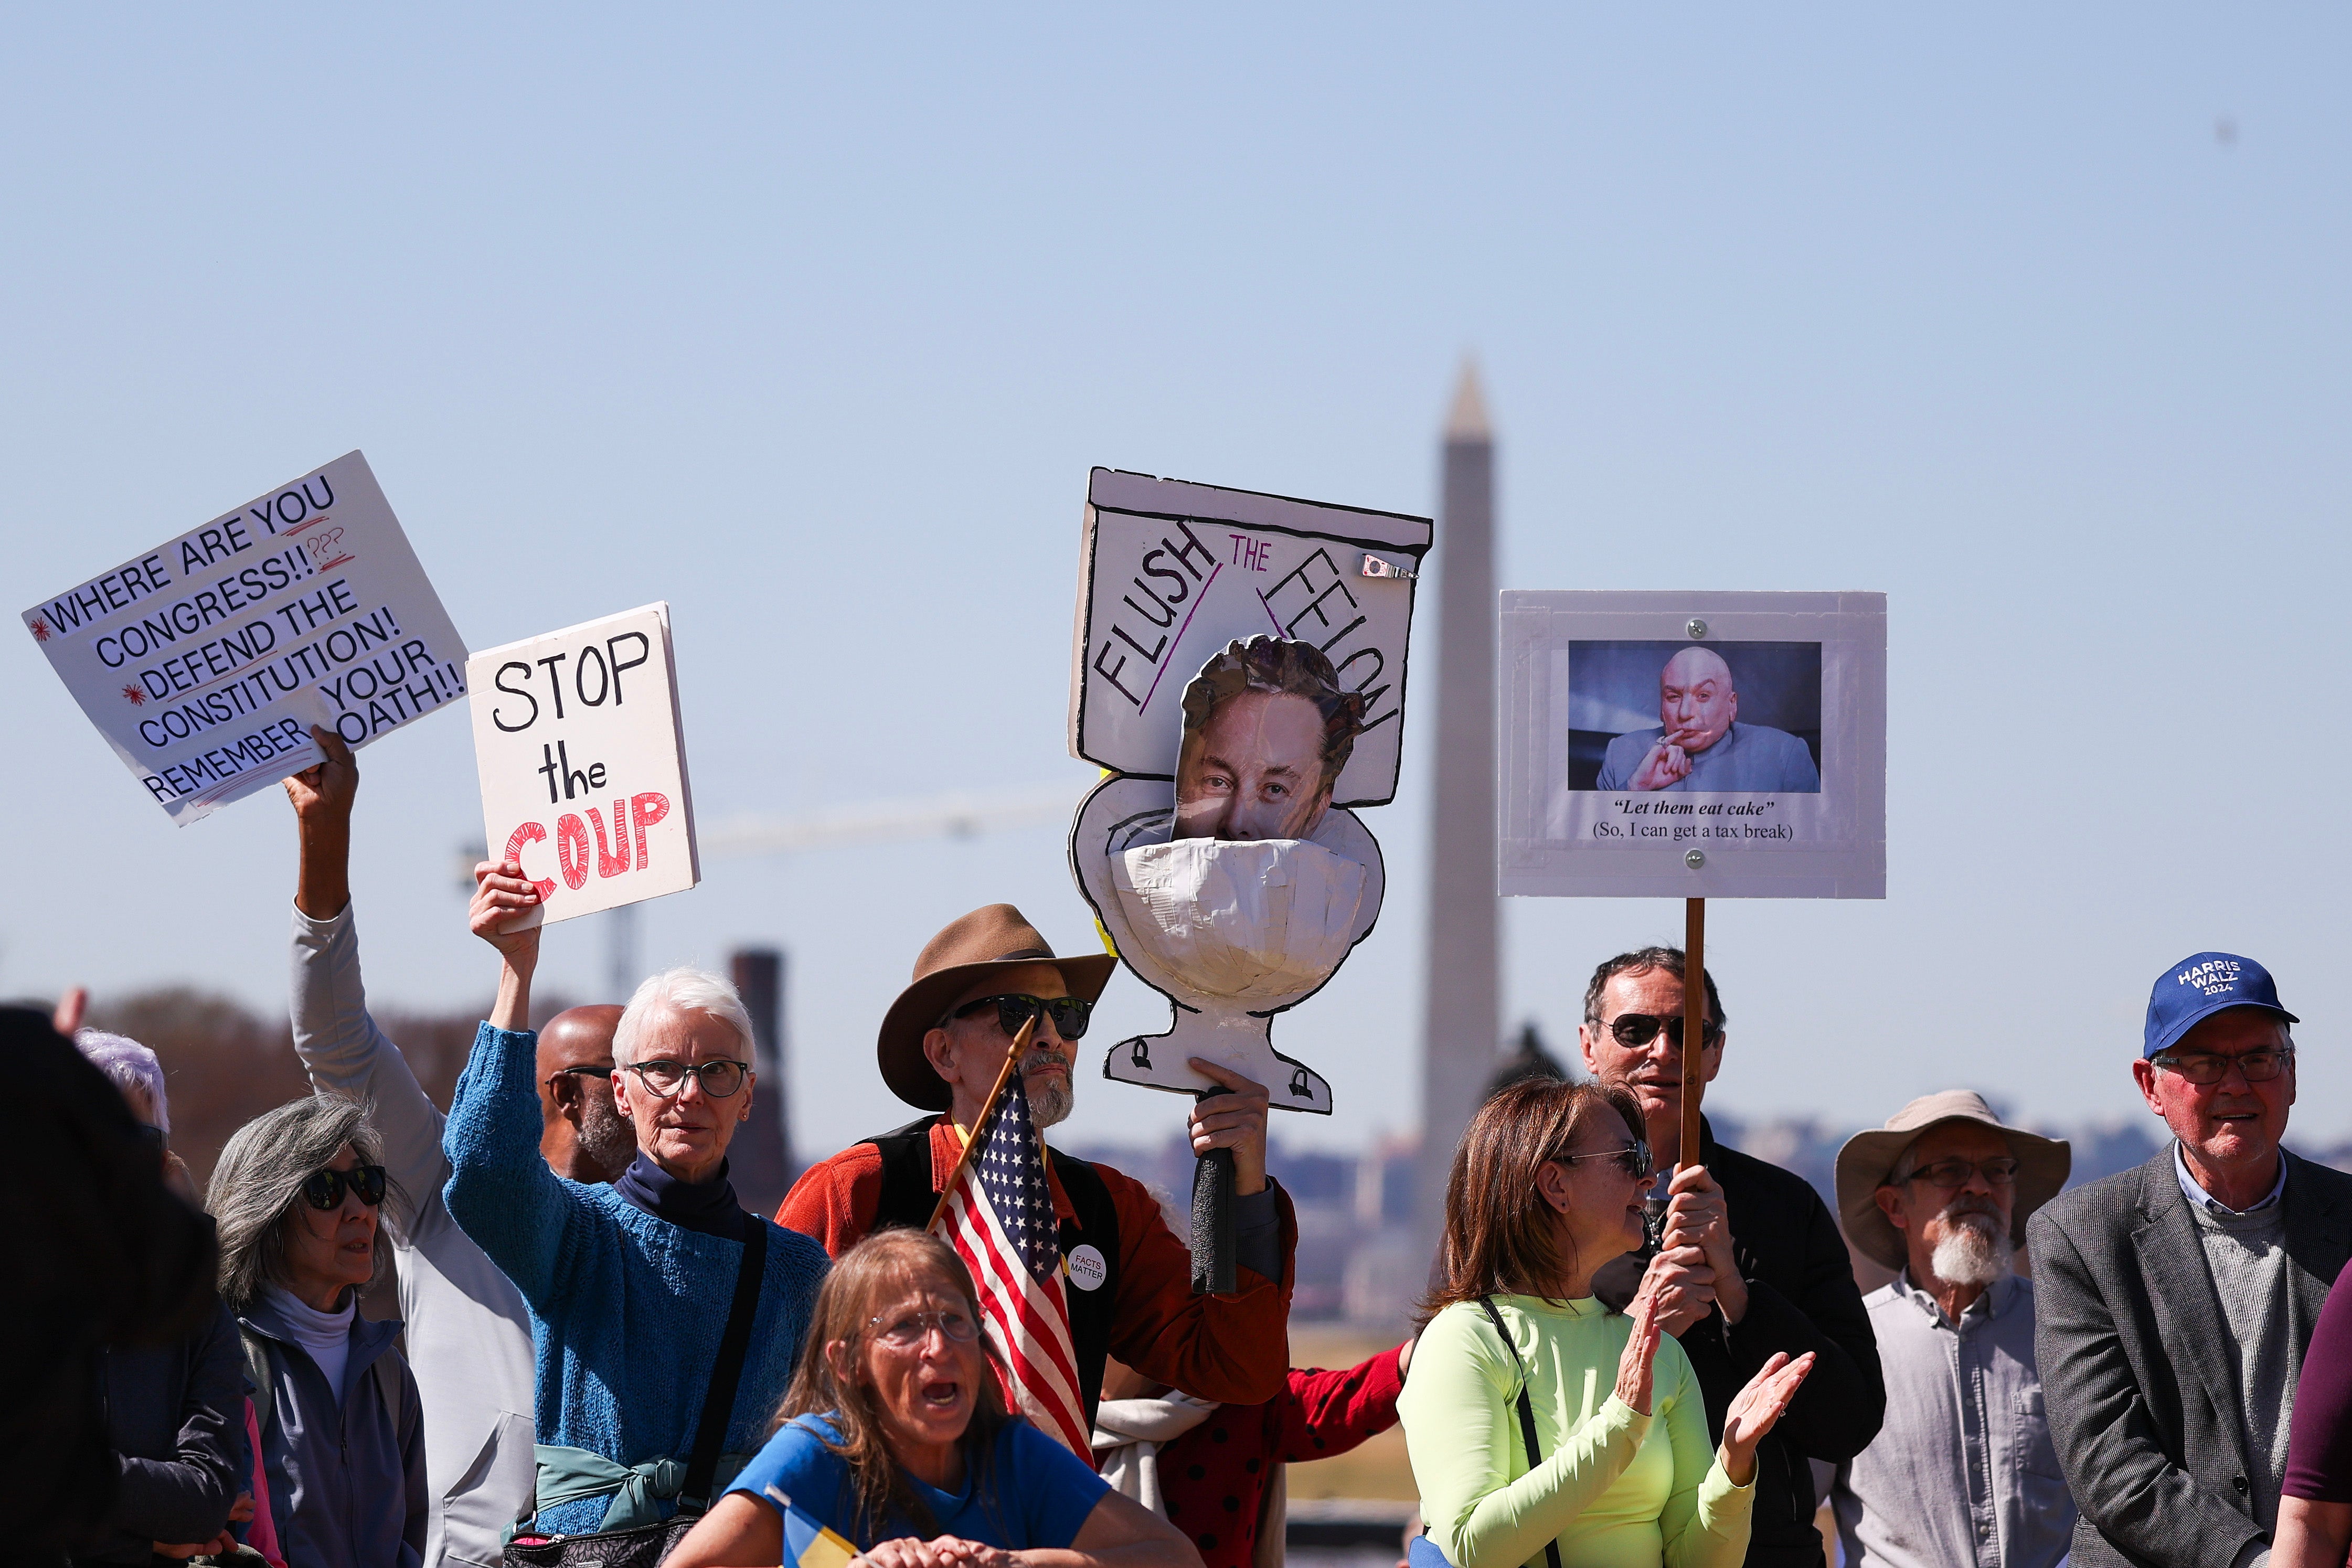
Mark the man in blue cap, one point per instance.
(2176, 1299)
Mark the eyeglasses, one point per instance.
(907, 1333)
(153, 1136)
(324, 1189)
(1636, 1030)
(719, 1077)
(2207, 1068)
(1634, 1157)
(1953, 1174)
(1069, 1014)
(583, 1071)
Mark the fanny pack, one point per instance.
(633, 1533)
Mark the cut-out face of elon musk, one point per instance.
(1267, 731)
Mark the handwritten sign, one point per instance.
(1170, 572)
(1694, 745)
(205, 661)
(582, 761)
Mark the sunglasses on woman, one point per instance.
(1634, 1157)
(1636, 1030)
(324, 1189)
(1070, 1013)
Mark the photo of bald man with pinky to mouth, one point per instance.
(1698, 745)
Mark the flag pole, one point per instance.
(1694, 1024)
(972, 1140)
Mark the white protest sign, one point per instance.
(582, 761)
(1694, 745)
(205, 661)
(1169, 573)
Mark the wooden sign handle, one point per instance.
(1694, 1023)
(972, 1139)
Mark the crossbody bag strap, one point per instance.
(1526, 1412)
(718, 1403)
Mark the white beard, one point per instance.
(1050, 1105)
(1969, 1254)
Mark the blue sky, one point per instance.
(2034, 318)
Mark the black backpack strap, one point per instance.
(719, 1402)
(1526, 1412)
(907, 1194)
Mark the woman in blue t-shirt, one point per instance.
(896, 1438)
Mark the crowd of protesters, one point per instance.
(1630, 1353)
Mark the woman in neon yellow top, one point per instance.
(1546, 1186)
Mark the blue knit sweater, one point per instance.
(626, 1310)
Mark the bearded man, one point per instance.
(1700, 744)
(468, 1331)
(1963, 1474)
(1124, 1275)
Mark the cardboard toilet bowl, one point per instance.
(1230, 933)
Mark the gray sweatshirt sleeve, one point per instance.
(343, 1051)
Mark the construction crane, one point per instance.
(750, 834)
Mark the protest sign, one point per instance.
(1694, 745)
(205, 661)
(1239, 665)
(1170, 572)
(582, 761)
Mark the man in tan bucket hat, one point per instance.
(1963, 1474)
(1128, 1279)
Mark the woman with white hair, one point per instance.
(297, 1196)
(631, 1287)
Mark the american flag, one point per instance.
(1000, 1218)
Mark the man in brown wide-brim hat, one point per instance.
(1126, 1276)
(1964, 1471)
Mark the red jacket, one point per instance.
(1232, 1348)
(1212, 1480)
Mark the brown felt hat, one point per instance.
(992, 939)
(1868, 1159)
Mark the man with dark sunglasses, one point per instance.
(467, 1328)
(1743, 1258)
(2176, 1300)
(1127, 1277)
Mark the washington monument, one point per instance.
(1460, 1029)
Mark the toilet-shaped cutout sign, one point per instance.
(1239, 668)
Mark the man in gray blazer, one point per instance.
(2176, 1299)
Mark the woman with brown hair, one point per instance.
(895, 1437)
(1542, 1426)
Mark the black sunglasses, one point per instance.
(1070, 1014)
(1641, 1029)
(324, 1189)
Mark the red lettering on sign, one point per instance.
(528, 833)
(571, 851)
(612, 861)
(647, 809)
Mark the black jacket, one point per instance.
(1800, 1297)
(175, 1420)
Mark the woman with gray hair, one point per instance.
(632, 1287)
(297, 1197)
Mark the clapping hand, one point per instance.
(1755, 1408)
